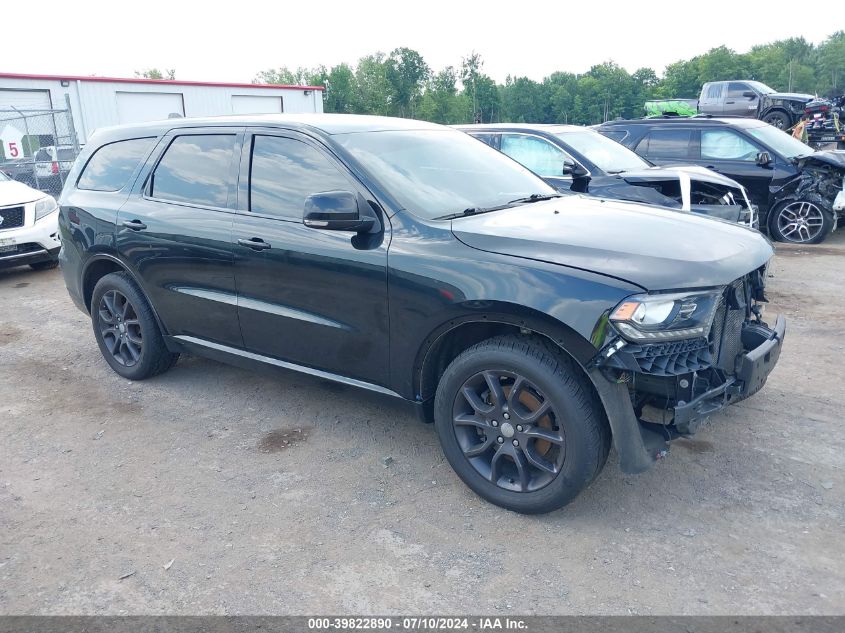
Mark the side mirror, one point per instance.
(750, 94)
(764, 159)
(571, 168)
(336, 211)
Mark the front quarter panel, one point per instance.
(437, 283)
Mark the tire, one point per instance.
(48, 265)
(778, 119)
(126, 329)
(785, 221)
(569, 433)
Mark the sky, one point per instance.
(233, 41)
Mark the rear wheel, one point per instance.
(519, 425)
(126, 329)
(805, 221)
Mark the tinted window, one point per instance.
(111, 166)
(537, 154)
(726, 145)
(616, 135)
(196, 169)
(735, 89)
(284, 172)
(43, 155)
(439, 171)
(665, 144)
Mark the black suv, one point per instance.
(412, 260)
(800, 192)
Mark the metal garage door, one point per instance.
(255, 104)
(137, 107)
(25, 99)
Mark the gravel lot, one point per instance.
(214, 490)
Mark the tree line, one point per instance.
(402, 84)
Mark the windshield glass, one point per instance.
(605, 153)
(760, 87)
(781, 142)
(432, 173)
(3, 177)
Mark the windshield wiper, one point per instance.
(470, 211)
(535, 197)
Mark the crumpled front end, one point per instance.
(699, 190)
(674, 384)
(822, 176)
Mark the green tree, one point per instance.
(155, 73)
(406, 72)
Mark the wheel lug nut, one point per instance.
(516, 442)
(494, 423)
(507, 416)
(519, 427)
(500, 439)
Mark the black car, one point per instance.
(409, 259)
(578, 159)
(800, 192)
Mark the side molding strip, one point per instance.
(286, 365)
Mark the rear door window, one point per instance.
(665, 144)
(196, 169)
(111, 166)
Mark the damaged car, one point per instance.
(534, 329)
(797, 190)
(580, 160)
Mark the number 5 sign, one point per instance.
(12, 143)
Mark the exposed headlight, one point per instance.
(650, 318)
(45, 207)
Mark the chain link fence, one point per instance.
(38, 147)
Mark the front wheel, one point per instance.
(126, 329)
(780, 120)
(805, 221)
(520, 425)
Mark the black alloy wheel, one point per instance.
(120, 328)
(507, 430)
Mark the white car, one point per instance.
(28, 226)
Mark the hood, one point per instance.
(792, 96)
(834, 158)
(654, 248)
(13, 192)
(696, 172)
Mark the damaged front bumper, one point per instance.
(654, 392)
(754, 368)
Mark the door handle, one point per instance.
(255, 243)
(135, 225)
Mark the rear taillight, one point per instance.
(55, 167)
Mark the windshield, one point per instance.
(605, 153)
(433, 173)
(781, 142)
(3, 177)
(760, 87)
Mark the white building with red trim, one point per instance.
(105, 101)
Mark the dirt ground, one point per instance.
(214, 490)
